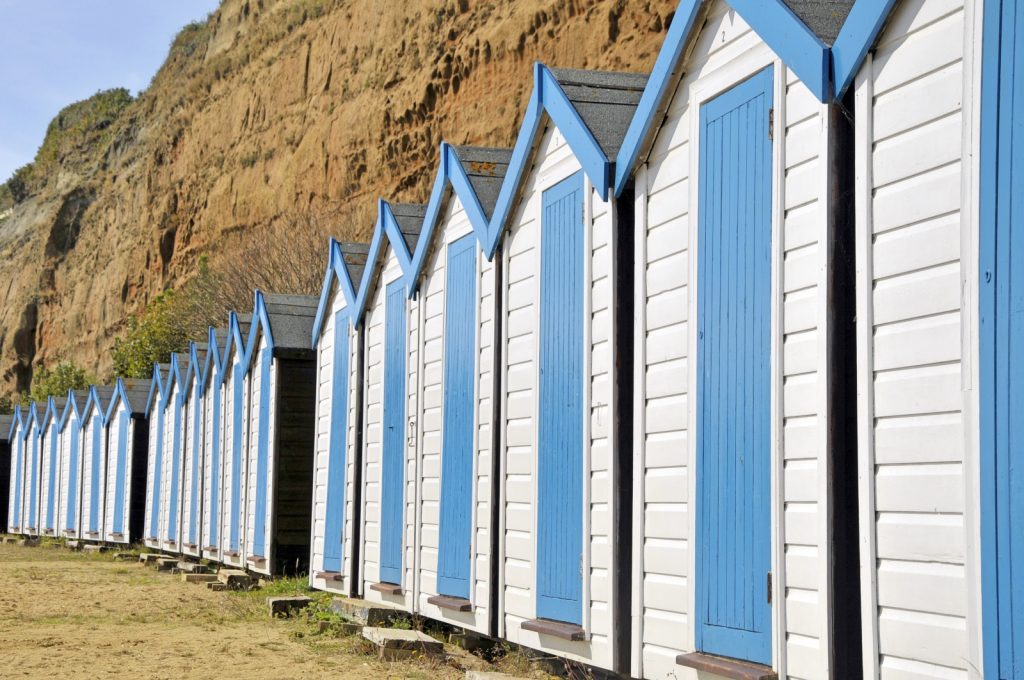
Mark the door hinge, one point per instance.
(771, 123)
(769, 586)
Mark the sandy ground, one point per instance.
(66, 614)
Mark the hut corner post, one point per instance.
(623, 328)
(844, 616)
(355, 589)
(493, 575)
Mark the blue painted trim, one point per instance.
(266, 357)
(158, 462)
(51, 491)
(858, 34)
(336, 272)
(260, 324)
(234, 347)
(237, 419)
(120, 470)
(94, 475)
(547, 99)
(788, 36)
(659, 87)
(177, 444)
(216, 474)
(197, 419)
(156, 390)
(386, 227)
(337, 455)
(213, 359)
(33, 498)
(450, 172)
(71, 511)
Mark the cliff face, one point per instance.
(271, 110)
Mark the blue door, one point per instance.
(1001, 254)
(158, 470)
(175, 490)
(393, 463)
(733, 374)
(18, 471)
(71, 513)
(95, 474)
(197, 457)
(259, 543)
(215, 471)
(334, 519)
(33, 488)
(51, 491)
(237, 413)
(453, 558)
(560, 425)
(120, 471)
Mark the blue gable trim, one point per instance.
(93, 402)
(70, 406)
(858, 34)
(335, 272)
(118, 395)
(260, 324)
(213, 360)
(386, 226)
(547, 99)
(155, 387)
(235, 344)
(790, 38)
(16, 422)
(175, 378)
(449, 172)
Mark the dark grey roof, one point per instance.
(291, 319)
(823, 17)
(5, 427)
(604, 100)
(136, 392)
(220, 335)
(58, 405)
(410, 222)
(103, 395)
(486, 170)
(202, 349)
(354, 256)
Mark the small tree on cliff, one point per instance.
(150, 338)
(57, 381)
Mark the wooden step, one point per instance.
(367, 613)
(200, 578)
(395, 643)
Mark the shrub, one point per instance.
(150, 339)
(57, 381)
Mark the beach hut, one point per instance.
(49, 478)
(192, 447)
(282, 392)
(939, 154)
(337, 340)
(213, 444)
(391, 322)
(30, 498)
(173, 454)
(561, 542)
(16, 437)
(456, 570)
(94, 461)
(70, 498)
(5, 470)
(127, 451)
(235, 402)
(155, 459)
(742, 450)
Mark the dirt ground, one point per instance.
(65, 614)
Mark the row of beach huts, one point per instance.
(714, 374)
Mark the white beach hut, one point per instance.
(456, 525)
(70, 442)
(282, 392)
(561, 545)
(173, 454)
(127, 453)
(94, 462)
(155, 457)
(391, 322)
(30, 483)
(235, 402)
(49, 479)
(5, 470)
(192, 499)
(16, 436)
(213, 443)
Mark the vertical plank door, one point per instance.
(560, 396)
(453, 560)
(334, 516)
(734, 373)
(259, 533)
(393, 454)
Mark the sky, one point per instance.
(55, 52)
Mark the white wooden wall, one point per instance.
(212, 477)
(64, 444)
(553, 163)
(92, 422)
(453, 226)
(373, 438)
(257, 389)
(324, 404)
(725, 53)
(155, 414)
(167, 474)
(228, 405)
(16, 441)
(45, 443)
(27, 526)
(190, 452)
(915, 142)
(110, 488)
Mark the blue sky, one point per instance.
(55, 52)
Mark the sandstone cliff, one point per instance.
(269, 110)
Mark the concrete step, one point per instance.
(199, 578)
(166, 563)
(368, 613)
(217, 586)
(193, 568)
(394, 643)
(29, 542)
(471, 642)
(93, 548)
(236, 579)
(124, 556)
(149, 559)
(10, 540)
(73, 545)
(339, 628)
(287, 606)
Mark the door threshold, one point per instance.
(733, 669)
(566, 631)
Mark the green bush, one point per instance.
(150, 338)
(57, 381)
